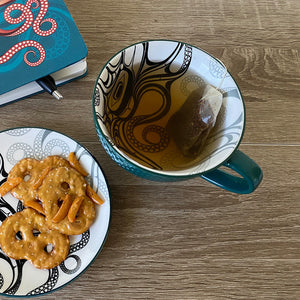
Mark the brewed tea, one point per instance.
(145, 137)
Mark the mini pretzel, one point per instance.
(57, 184)
(60, 203)
(83, 220)
(40, 179)
(74, 208)
(33, 172)
(28, 170)
(25, 235)
(93, 195)
(35, 205)
(63, 210)
(8, 185)
(54, 161)
(76, 165)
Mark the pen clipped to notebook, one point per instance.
(57, 48)
(48, 84)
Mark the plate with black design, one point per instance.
(20, 278)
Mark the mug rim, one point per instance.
(164, 173)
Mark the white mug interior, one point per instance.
(199, 68)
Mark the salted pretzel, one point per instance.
(58, 193)
(80, 223)
(28, 170)
(33, 172)
(25, 235)
(59, 201)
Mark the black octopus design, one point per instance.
(123, 90)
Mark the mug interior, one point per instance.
(170, 68)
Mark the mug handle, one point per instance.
(251, 174)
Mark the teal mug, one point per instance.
(134, 95)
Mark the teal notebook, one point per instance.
(37, 38)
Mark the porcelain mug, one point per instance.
(168, 69)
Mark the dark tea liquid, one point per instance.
(142, 128)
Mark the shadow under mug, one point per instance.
(168, 68)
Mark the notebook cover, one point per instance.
(37, 38)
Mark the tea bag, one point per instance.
(192, 123)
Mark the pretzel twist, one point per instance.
(25, 235)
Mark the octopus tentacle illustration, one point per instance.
(26, 14)
(27, 17)
(53, 276)
(124, 89)
(16, 266)
(21, 45)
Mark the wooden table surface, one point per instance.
(192, 240)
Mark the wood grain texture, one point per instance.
(192, 240)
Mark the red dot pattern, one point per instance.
(27, 15)
(21, 45)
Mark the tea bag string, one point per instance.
(225, 73)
